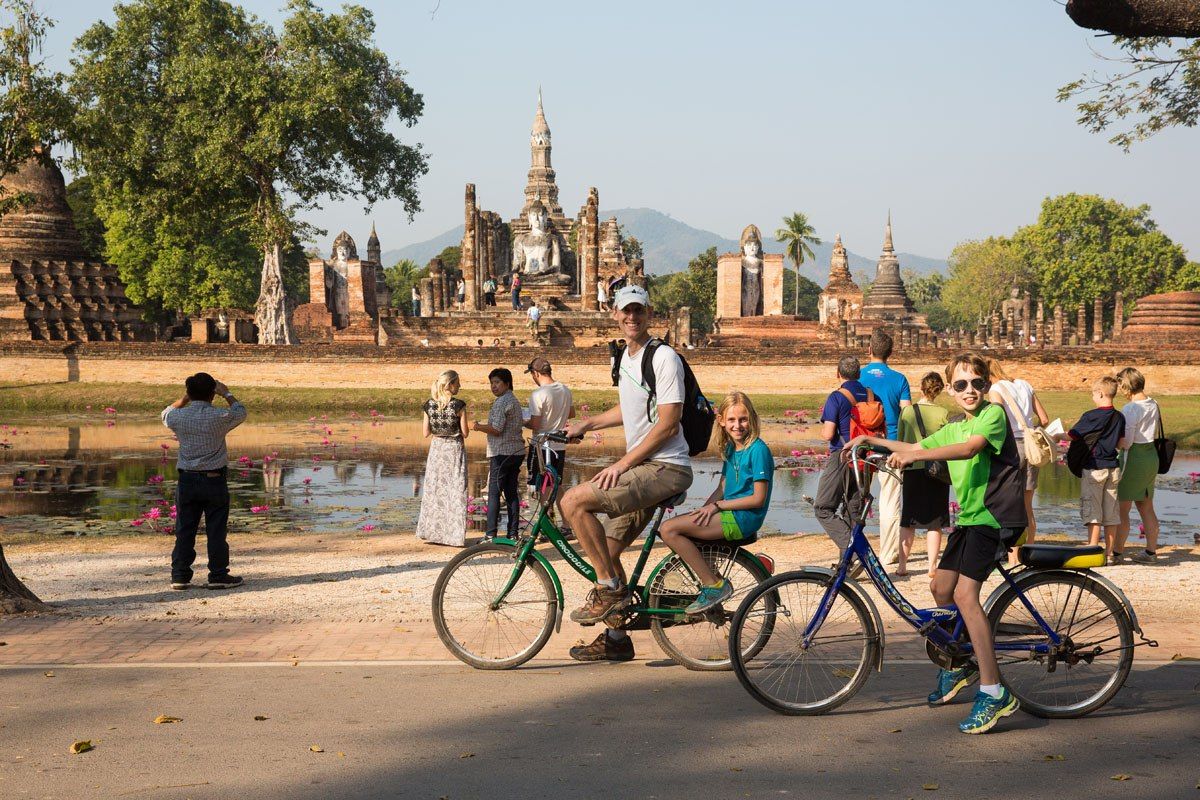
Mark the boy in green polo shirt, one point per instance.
(988, 480)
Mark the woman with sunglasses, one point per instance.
(987, 475)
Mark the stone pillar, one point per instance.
(487, 266)
(1118, 314)
(1059, 323)
(470, 249)
(426, 297)
(683, 325)
(843, 333)
(1081, 324)
(1027, 318)
(589, 250)
(1098, 320)
(1041, 322)
(439, 284)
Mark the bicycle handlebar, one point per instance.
(553, 436)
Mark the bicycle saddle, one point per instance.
(1061, 556)
(674, 502)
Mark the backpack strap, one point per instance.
(616, 353)
(648, 377)
(920, 423)
(1016, 411)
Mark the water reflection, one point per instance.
(74, 476)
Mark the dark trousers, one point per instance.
(198, 494)
(516, 298)
(502, 477)
(416, 308)
(489, 298)
(835, 488)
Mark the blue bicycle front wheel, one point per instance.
(795, 673)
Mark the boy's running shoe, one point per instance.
(950, 682)
(989, 710)
(710, 596)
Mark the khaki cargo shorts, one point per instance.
(631, 503)
(1098, 496)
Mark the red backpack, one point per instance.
(866, 417)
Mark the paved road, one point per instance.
(639, 730)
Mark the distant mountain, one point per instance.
(670, 244)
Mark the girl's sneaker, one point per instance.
(950, 682)
(989, 710)
(710, 596)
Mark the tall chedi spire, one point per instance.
(541, 184)
(839, 267)
(888, 298)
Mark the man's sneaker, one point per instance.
(1115, 558)
(950, 682)
(602, 601)
(1144, 557)
(180, 586)
(603, 648)
(989, 710)
(710, 596)
(224, 582)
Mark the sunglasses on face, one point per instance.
(978, 384)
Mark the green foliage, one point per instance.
(1085, 246)
(401, 277)
(1187, 279)
(451, 257)
(203, 129)
(809, 294)
(35, 111)
(631, 245)
(796, 236)
(981, 275)
(695, 287)
(924, 289)
(81, 199)
(1159, 86)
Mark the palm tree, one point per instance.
(797, 234)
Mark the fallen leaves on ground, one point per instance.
(49, 673)
(260, 718)
(929, 787)
(81, 746)
(316, 748)
(1055, 757)
(466, 755)
(166, 719)
(1121, 776)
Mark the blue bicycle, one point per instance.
(1063, 634)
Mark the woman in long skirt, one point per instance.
(443, 516)
(1143, 422)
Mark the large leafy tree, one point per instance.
(195, 107)
(797, 236)
(981, 275)
(400, 278)
(805, 304)
(1085, 246)
(695, 287)
(35, 111)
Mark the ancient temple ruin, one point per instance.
(49, 289)
(842, 299)
(887, 304)
(347, 295)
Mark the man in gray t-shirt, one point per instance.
(505, 450)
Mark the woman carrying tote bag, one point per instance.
(1143, 425)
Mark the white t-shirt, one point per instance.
(551, 402)
(535, 313)
(1141, 420)
(1020, 394)
(668, 379)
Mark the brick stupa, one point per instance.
(49, 289)
(1159, 319)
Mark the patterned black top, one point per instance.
(443, 420)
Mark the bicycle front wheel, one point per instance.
(786, 675)
(702, 642)
(478, 630)
(1093, 661)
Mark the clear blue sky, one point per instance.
(723, 114)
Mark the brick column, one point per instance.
(1118, 314)
(470, 249)
(1081, 324)
(1098, 320)
(590, 251)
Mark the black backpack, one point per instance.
(1081, 448)
(698, 414)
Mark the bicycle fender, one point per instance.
(854, 588)
(558, 590)
(1095, 576)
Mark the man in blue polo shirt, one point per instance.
(835, 429)
(891, 387)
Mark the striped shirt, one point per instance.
(505, 416)
(201, 430)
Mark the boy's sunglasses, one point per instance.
(978, 384)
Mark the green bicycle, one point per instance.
(496, 604)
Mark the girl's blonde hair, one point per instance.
(1132, 380)
(997, 371)
(440, 391)
(724, 442)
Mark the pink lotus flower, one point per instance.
(154, 480)
(110, 410)
(374, 413)
(259, 509)
(796, 453)
(524, 504)
(307, 481)
(795, 473)
(470, 509)
(245, 460)
(137, 523)
(367, 527)
(165, 446)
(1195, 476)
(110, 424)
(154, 513)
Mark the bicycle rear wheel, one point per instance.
(478, 634)
(702, 642)
(786, 676)
(1094, 659)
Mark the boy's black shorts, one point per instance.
(975, 550)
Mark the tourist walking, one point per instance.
(1143, 424)
(505, 450)
(891, 387)
(462, 293)
(836, 486)
(535, 319)
(1098, 432)
(516, 291)
(655, 467)
(602, 294)
(1024, 410)
(550, 406)
(416, 302)
(443, 515)
(925, 499)
(489, 291)
(202, 489)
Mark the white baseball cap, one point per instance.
(631, 293)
